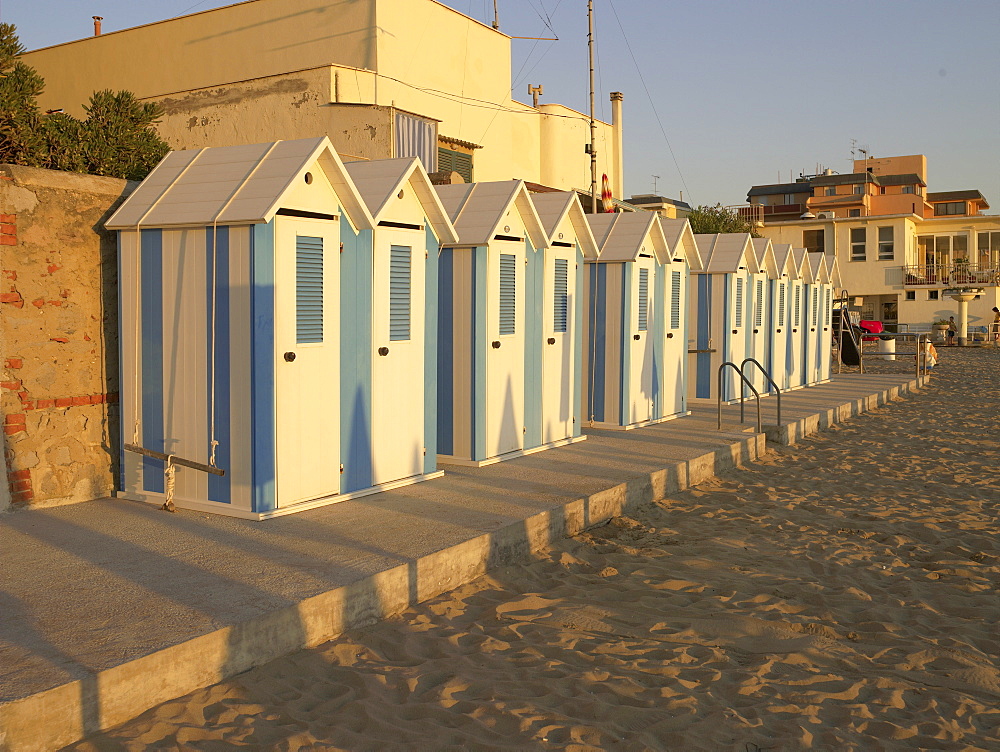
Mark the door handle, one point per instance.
(496, 344)
(289, 356)
(635, 336)
(383, 351)
(552, 340)
(778, 331)
(755, 331)
(670, 335)
(736, 331)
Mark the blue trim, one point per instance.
(151, 286)
(599, 338)
(446, 354)
(478, 351)
(219, 488)
(357, 275)
(431, 303)
(625, 344)
(123, 394)
(703, 375)
(534, 332)
(262, 371)
(577, 329)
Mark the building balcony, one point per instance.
(759, 213)
(950, 275)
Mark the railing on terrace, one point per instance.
(960, 273)
(757, 213)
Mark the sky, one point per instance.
(721, 95)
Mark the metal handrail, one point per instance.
(755, 392)
(777, 391)
(844, 305)
(920, 339)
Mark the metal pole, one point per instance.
(593, 124)
(496, 16)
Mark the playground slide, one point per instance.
(849, 354)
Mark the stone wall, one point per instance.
(58, 335)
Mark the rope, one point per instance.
(211, 405)
(170, 484)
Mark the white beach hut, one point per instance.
(486, 381)
(720, 306)
(821, 295)
(779, 355)
(625, 322)
(231, 345)
(389, 308)
(799, 324)
(760, 324)
(684, 258)
(555, 318)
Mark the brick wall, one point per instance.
(58, 335)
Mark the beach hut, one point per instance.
(779, 354)
(486, 382)
(625, 322)
(231, 346)
(555, 318)
(720, 306)
(799, 341)
(821, 296)
(684, 258)
(389, 307)
(760, 325)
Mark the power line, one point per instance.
(650, 97)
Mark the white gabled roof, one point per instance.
(554, 207)
(680, 237)
(806, 273)
(835, 278)
(820, 270)
(729, 251)
(234, 185)
(765, 257)
(380, 180)
(785, 260)
(477, 210)
(622, 236)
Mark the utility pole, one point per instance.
(592, 148)
(496, 16)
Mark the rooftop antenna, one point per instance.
(534, 91)
(496, 16)
(655, 178)
(591, 147)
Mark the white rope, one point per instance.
(170, 484)
(211, 408)
(137, 273)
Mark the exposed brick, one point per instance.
(8, 229)
(43, 403)
(12, 385)
(38, 302)
(13, 363)
(59, 339)
(8, 217)
(10, 274)
(81, 400)
(97, 399)
(14, 418)
(20, 485)
(11, 430)
(12, 297)
(8, 240)
(54, 268)
(64, 401)
(19, 475)
(23, 395)
(22, 497)
(27, 404)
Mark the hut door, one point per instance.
(758, 311)
(675, 350)
(557, 345)
(397, 441)
(307, 346)
(505, 348)
(812, 334)
(778, 333)
(796, 325)
(735, 334)
(640, 332)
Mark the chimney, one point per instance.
(97, 25)
(618, 167)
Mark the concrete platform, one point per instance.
(111, 607)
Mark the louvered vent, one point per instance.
(561, 312)
(455, 161)
(815, 309)
(798, 306)
(399, 292)
(308, 290)
(643, 299)
(758, 305)
(675, 300)
(781, 304)
(508, 295)
(827, 308)
(739, 303)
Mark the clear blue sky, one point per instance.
(746, 92)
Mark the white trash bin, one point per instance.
(887, 348)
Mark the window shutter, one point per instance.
(739, 303)
(675, 300)
(308, 290)
(455, 161)
(643, 299)
(399, 293)
(508, 293)
(561, 312)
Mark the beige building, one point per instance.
(380, 78)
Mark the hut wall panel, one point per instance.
(657, 331)
(240, 464)
(604, 325)
(578, 339)
(534, 295)
(262, 368)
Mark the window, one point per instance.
(988, 244)
(932, 295)
(858, 244)
(853, 212)
(886, 250)
(911, 295)
(859, 190)
(416, 137)
(643, 299)
(399, 293)
(455, 161)
(831, 190)
(908, 189)
(308, 290)
(813, 240)
(789, 199)
(560, 315)
(508, 294)
(949, 207)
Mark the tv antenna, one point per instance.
(655, 178)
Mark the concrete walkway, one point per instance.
(111, 607)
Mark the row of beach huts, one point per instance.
(296, 330)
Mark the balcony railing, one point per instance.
(960, 273)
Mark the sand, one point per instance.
(841, 594)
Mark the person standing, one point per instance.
(952, 330)
(995, 328)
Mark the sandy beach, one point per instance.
(841, 594)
